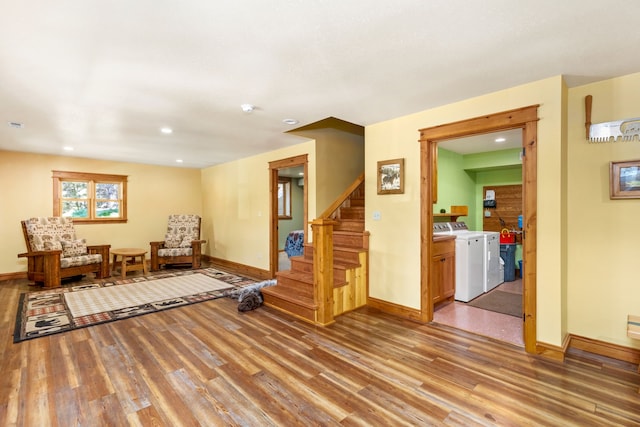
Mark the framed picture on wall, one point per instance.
(391, 176)
(624, 182)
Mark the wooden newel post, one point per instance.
(323, 269)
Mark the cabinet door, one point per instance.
(437, 277)
(443, 271)
(448, 271)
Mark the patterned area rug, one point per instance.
(58, 310)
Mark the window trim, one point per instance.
(92, 178)
(287, 197)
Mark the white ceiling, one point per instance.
(104, 76)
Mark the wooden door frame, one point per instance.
(525, 118)
(290, 162)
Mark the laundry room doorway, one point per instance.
(525, 119)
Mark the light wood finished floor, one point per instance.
(207, 364)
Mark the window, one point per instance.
(284, 198)
(90, 197)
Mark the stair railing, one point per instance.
(328, 213)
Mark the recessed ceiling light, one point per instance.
(166, 130)
(301, 173)
(67, 148)
(178, 160)
(16, 125)
(247, 108)
(290, 121)
(501, 139)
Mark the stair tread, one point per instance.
(283, 293)
(301, 276)
(305, 278)
(339, 248)
(337, 263)
(349, 232)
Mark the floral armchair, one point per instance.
(54, 252)
(181, 245)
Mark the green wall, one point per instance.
(461, 178)
(455, 185)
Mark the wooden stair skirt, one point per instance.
(294, 293)
(342, 244)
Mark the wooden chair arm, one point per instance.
(158, 245)
(40, 253)
(100, 249)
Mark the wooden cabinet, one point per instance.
(443, 270)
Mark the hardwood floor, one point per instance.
(207, 364)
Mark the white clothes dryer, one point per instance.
(492, 277)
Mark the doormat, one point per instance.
(500, 302)
(58, 310)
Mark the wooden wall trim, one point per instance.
(553, 352)
(510, 119)
(13, 276)
(394, 309)
(247, 270)
(614, 351)
(601, 348)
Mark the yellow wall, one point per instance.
(154, 192)
(602, 234)
(340, 157)
(236, 204)
(395, 239)
(236, 194)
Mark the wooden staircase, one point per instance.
(330, 278)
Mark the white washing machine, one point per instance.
(469, 266)
(470, 255)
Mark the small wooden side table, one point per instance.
(128, 260)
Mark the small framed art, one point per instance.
(391, 176)
(624, 182)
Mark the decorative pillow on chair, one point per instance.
(71, 248)
(53, 245)
(186, 241)
(172, 240)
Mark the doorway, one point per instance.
(485, 172)
(282, 172)
(525, 119)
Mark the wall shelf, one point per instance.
(456, 211)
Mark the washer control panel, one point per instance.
(458, 226)
(441, 227)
